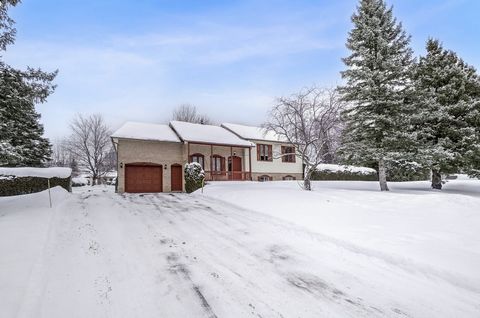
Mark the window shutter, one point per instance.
(258, 152)
(294, 154)
(270, 157)
(270, 178)
(283, 154)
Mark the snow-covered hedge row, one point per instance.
(15, 181)
(52, 172)
(340, 172)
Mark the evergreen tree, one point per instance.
(21, 141)
(447, 120)
(377, 81)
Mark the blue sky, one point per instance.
(137, 60)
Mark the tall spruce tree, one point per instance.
(21, 141)
(377, 80)
(447, 120)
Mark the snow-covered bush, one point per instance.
(341, 172)
(194, 176)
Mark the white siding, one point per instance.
(275, 166)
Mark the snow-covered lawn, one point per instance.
(244, 250)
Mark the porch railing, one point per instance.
(227, 175)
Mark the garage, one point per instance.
(143, 178)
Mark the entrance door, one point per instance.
(143, 178)
(177, 184)
(235, 167)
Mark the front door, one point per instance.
(235, 167)
(176, 174)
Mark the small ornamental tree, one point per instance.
(194, 176)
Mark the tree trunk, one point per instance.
(306, 184)
(436, 179)
(307, 174)
(382, 175)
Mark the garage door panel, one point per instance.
(143, 178)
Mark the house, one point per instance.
(151, 157)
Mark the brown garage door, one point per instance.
(177, 178)
(143, 178)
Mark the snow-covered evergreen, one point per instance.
(377, 79)
(21, 141)
(447, 117)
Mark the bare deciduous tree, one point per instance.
(309, 120)
(62, 156)
(188, 113)
(90, 143)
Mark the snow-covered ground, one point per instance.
(244, 250)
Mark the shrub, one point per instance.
(194, 176)
(339, 172)
(11, 185)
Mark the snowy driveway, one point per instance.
(175, 255)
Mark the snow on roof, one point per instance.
(145, 131)
(253, 133)
(52, 172)
(207, 134)
(341, 168)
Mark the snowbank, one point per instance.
(345, 168)
(52, 172)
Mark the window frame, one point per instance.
(264, 152)
(198, 155)
(291, 158)
(264, 178)
(221, 161)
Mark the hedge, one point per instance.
(343, 175)
(11, 185)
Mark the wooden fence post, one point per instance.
(49, 195)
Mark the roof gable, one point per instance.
(253, 133)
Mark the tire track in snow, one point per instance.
(405, 264)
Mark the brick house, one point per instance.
(151, 157)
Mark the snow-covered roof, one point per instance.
(52, 172)
(208, 134)
(145, 131)
(253, 133)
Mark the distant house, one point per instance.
(151, 156)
